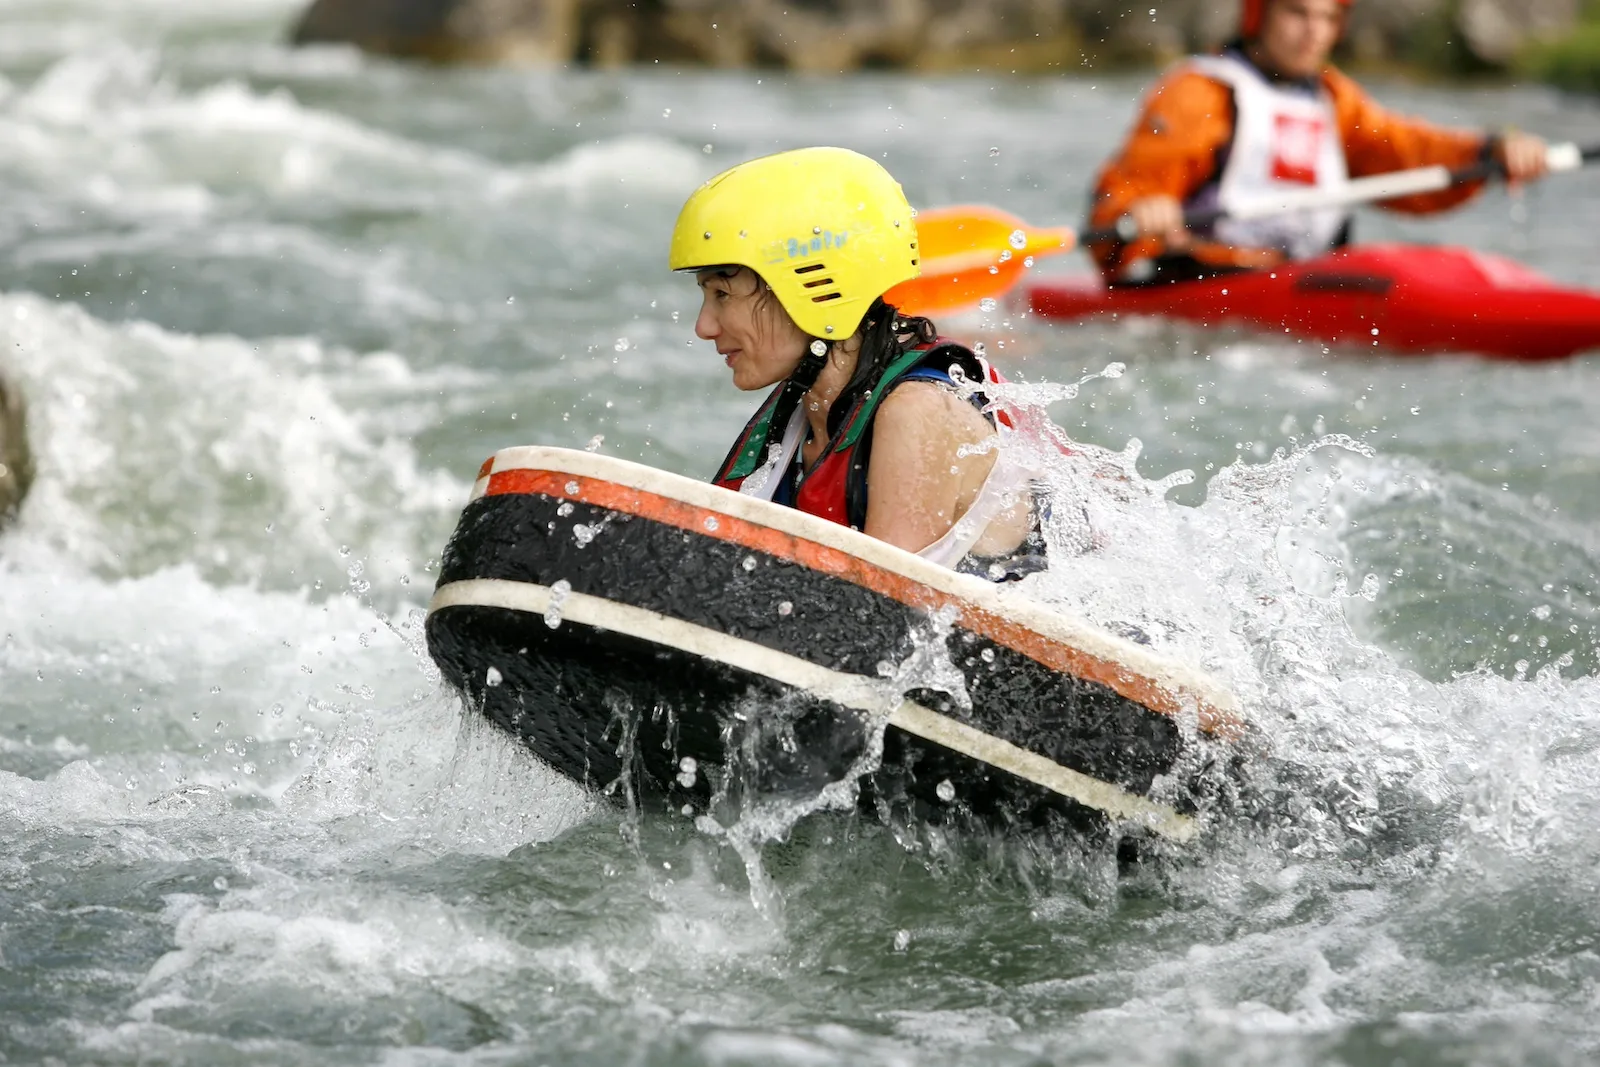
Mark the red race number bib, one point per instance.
(1296, 148)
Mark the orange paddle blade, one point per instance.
(971, 252)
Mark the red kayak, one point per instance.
(1404, 298)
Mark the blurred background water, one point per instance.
(272, 309)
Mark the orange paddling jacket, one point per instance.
(1180, 147)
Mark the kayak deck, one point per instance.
(1399, 298)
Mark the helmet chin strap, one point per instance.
(810, 366)
(798, 384)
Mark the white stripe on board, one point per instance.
(848, 690)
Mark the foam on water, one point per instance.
(156, 449)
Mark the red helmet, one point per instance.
(1250, 17)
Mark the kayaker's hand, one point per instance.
(1160, 217)
(1523, 156)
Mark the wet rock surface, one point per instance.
(839, 35)
(16, 462)
(1497, 30)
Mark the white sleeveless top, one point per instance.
(1282, 141)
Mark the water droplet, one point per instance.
(819, 347)
(622, 345)
(902, 940)
(994, 270)
(706, 150)
(565, 508)
(1027, 261)
(1114, 370)
(946, 790)
(749, 563)
(571, 488)
(219, 883)
(711, 522)
(511, 300)
(987, 655)
(988, 303)
(584, 534)
(993, 152)
(1542, 612)
(785, 608)
(558, 596)
(666, 112)
(493, 677)
(595, 442)
(1005, 256)
(1019, 240)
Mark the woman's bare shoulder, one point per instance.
(930, 409)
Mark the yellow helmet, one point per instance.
(827, 228)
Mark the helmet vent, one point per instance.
(818, 282)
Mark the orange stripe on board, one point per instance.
(1013, 635)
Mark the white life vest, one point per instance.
(1282, 141)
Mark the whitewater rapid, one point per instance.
(272, 309)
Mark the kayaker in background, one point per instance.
(1269, 114)
(866, 427)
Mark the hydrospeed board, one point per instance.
(633, 625)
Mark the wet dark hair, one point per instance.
(886, 335)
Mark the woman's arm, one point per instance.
(917, 482)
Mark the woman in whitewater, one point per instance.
(867, 425)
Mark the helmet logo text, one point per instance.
(800, 247)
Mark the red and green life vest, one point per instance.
(836, 487)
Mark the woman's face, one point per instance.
(754, 335)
